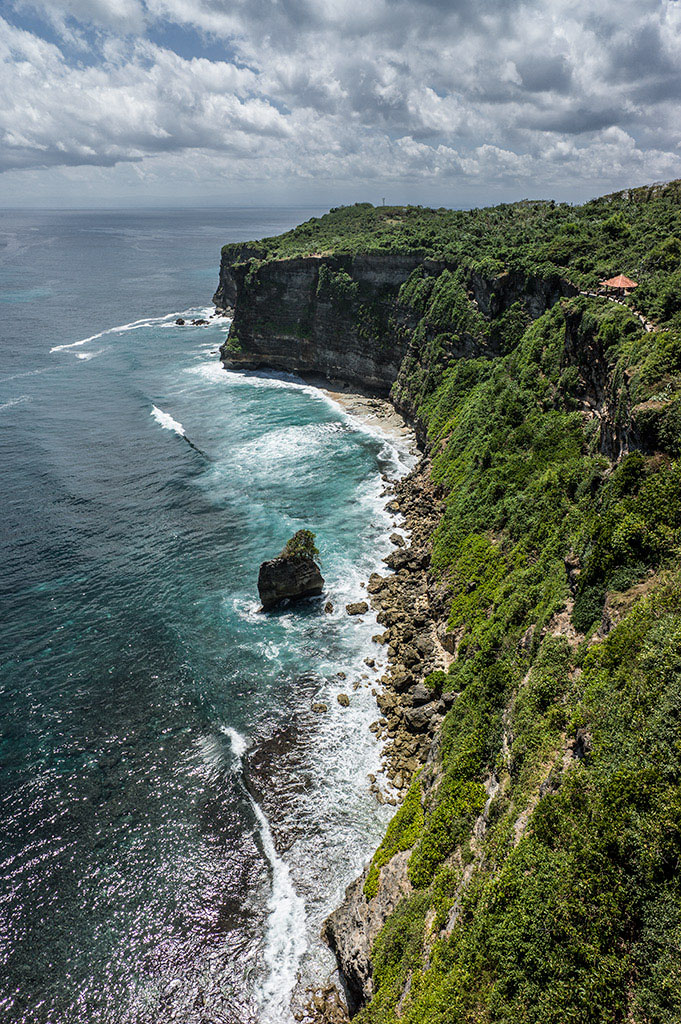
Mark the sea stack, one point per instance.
(293, 574)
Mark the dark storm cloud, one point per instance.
(545, 74)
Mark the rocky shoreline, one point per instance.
(412, 611)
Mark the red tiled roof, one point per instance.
(619, 282)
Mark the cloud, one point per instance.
(520, 93)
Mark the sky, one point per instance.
(325, 102)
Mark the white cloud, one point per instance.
(523, 94)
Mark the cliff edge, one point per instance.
(532, 703)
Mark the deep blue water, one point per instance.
(176, 821)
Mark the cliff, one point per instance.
(348, 317)
(330, 316)
(533, 701)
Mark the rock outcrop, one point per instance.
(283, 579)
(317, 315)
(350, 930)
(340, 316)
(293, 574)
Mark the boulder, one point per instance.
(179, 322)
(343, 700)
(283, 579)
(293, 574)
(376, 583)
(357, 608)
(421, 694)
(447, 699)
(418, 719)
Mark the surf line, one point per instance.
(134, 325)
(165, 420)
(285, 941)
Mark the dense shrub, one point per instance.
(301, 545)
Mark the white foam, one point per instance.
(285, 943)
(27, 373)
(134, 325)
(89, 355)
(239, 742)
(15, 401)
(396, 454)
(211, 370)
(167, 421)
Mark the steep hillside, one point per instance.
(531, 873)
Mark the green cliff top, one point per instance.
(544, 839)
(618, 233)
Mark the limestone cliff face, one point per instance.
(332, 316)
(351, 929)
(341, 316)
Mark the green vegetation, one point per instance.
(403, 831)
(543, 843)
(571, 911)
(301, 545)
(637, 233)
(580, 919)
(233, 344)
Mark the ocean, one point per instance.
(176, 820)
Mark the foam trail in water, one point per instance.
(285, 942)
(134, 325)
(15, 401)
(27, 373)
(167, 421)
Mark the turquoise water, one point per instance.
(177, 822)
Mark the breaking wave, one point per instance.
(285, 943)
(165, 420)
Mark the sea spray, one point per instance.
(285, 942)
(166, 421)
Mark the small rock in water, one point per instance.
(179, 322)
(343, 700)
(291, 575)
(340, 675)
(328, 607)
(320, 708)
(397, 539)
(357, 608)
(370, 662)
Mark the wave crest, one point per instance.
(165, 420)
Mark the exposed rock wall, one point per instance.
(351, 930)
(288, 579)
(340, 316)
(330, 316)
(604, 398)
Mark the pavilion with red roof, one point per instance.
(621, 285)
